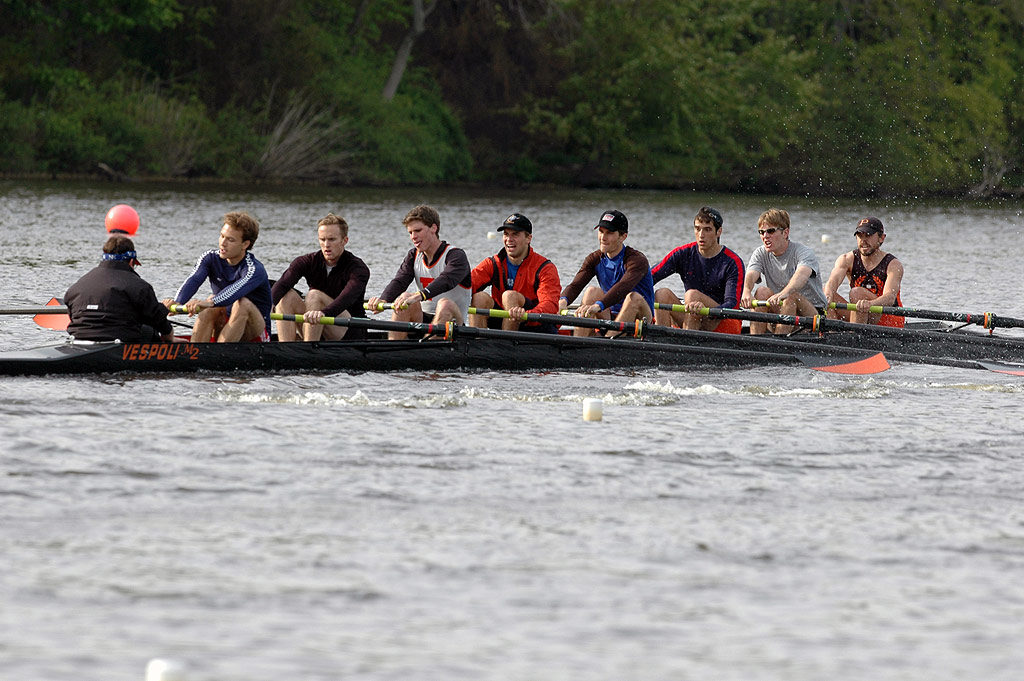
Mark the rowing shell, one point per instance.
(471, 349)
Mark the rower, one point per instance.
(521, 280)
(874, 277)
(625, 287)
(112, 302)
(712, 276)
(792, 278)
(337, 284)
(239, 307)
(440, 272)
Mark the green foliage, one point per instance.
(666, 92)
(414, 138)
(852, 97)
(17, 138)
(920, 99)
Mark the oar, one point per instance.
(986, 320)
(452, 331)
(377, 324)
(58, 321)
(821, 323)
(55, 316)
(821, 357)
(55, 309)
(635, 328)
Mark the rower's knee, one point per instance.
(860, 293)
(317, 300)
(591, 295)
(667, 296)
(447, 311)
(510, 299)
(291, 303)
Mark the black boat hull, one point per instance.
(500, 354)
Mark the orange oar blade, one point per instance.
(874, 364)
(1011, 369)
(57, 322)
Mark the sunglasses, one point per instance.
(770, 230)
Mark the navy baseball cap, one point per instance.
(709, 213)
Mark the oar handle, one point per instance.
(814, 323)
(986, 320)
(500, 314)
(565, 318)
(754, 304)
(384, 306)
(179, 309)
(852, 307)
(299, 319)
(674, 307)
(728, 313)
(447, 330)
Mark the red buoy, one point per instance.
(122, 219)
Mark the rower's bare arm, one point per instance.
(796, 282)
(749, 280)
(893, 279)
(839, 272)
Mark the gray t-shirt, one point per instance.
(776, 271)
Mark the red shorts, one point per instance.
(729, 326)
(892, 320)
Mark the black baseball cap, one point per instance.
(613, 220)
(870, 226)
(517, 221)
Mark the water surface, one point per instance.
(761, 523)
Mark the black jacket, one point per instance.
(113, 302)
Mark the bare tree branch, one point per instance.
(419, 19)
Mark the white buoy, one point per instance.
(593, 409)
(825, 238)
(492, 235)
(161, 669)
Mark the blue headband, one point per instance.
(127, 255)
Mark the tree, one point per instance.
(416, 29)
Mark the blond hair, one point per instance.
(776, 217)
(332, 219)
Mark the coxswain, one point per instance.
(112, 302)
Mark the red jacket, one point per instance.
(537, 279)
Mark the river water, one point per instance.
(767, 523)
